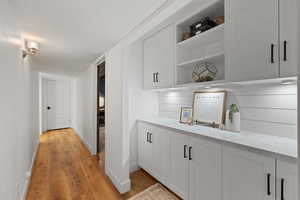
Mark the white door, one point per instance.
(57, 100)
(288, 37)
(161, 154)
(286, 180)
(179, 164)
(247, 176)
(251, 39)
(159, 59)
(145, 147)
(205, 170)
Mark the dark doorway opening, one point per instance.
(101, 112)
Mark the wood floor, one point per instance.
(65, 170)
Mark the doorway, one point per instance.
(101, 113)
(56, 104)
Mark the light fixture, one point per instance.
(288, 82)
(31, 48)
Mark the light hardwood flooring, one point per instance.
(65, 170)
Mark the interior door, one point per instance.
(251, 39)
(247, 176)
(57, 104)
(205, 170)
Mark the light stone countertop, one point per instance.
(272, 144)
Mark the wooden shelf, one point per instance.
(206, 58)
(209, 36)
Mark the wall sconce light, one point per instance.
(31, 48)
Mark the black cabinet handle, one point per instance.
(284, 50)
(150, 137)
(268, 184)
(153, 76)
(190, 153)
(184, 151)
(157, 77)
(282, 189)
(147, 136)
(272, 53)
(48, 107)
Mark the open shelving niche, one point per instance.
(205, 47)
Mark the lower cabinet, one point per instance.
(205, 170)
(197, 168)
(247, 176)
(286, 180)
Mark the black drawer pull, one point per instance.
(272, 53)
(284, 51)
(190, 153)
(147, 136)
(282, 189)
(268, 184)
(184, 151)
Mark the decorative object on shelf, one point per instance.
(202, 26)
(204, 72)
(233, 118)
(209, 108)
(220, 20)
(185, 36)
(186, 115)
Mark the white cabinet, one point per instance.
(247, 176)
(179, 164)
(145, 147)
(160, 140)
(251, 37)
(198, 168)
(288, 43)
(205, 170)
(154, 151)
(260, 39)
(286, 180)
(159, 59)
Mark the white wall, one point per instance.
(138, 102)
(85, 110)
(267, 109)
(19, 109)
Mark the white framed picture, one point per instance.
(209, 107)
(186, 115)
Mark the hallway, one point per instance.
(64, 169)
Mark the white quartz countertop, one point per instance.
(273, 144)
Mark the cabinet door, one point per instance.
(286, 180)
(288, 37)
(145, 147)
(247, 176)
(205, 170)
(161, 154)
(159, 59)
(178, 181)
(251, 39)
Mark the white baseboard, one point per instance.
(29, 173)
(134, 166)
(122, 187)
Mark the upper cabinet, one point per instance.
(260, 39)
(159, 59)
(288, 43)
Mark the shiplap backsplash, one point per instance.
(266, 109)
